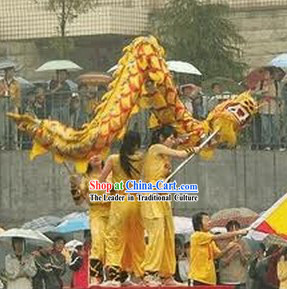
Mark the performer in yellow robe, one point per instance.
(160, 253)
(99, 216)
(125, 234)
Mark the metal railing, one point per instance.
(265, 131)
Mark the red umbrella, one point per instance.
(94, 78)
(257, 75)
(243, 216)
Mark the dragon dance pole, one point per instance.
(203, 144)
(68, 168)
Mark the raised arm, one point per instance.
(230, 235)
(180, 154)
(106, 170)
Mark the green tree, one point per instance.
(202, 34)
(66, 12)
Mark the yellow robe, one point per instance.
(158, 222)
(125, 233)
(12, 90)
(99, 216)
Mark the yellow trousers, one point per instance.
(160, 251)
(125, 237)
(99, 217)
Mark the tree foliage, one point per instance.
(66, 11)
(202, 34)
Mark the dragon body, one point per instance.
(143, 63)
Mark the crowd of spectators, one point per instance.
(64, 100)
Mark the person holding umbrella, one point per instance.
(19, 267)
(61, 89)
(59, 99)
(10, 101)
(233, 266)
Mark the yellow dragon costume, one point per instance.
(143, 61)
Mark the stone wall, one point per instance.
(93, 53)
(237, 178)
(264, 30)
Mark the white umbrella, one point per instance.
(255, 235)
(59, 65)
(182, 67)
(31, 236)
(176, 66)
(183, 225)
(218, 230)
(279, 61)
(112, 69)
(73, 244)
(7, 64)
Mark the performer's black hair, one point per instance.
(131, 143)
(90, 168)
(165, 132)
(197, 221)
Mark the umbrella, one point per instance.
(253, 245)
(115, 67)
(7, 64)
(279, 61)
(73, 223)
(256, 236)
(257, 75)
(94, 78)
(80, 221)
(183, 225)
(72, 85)
(32, 237)
(274, 240)
(218, 230)
(182, 67)
(43, 224)
(59, 65)
(176, 66)
(24, 83)
(243, 216)
(277, 72)
(73, 244)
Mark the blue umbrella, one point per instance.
(73, 223)
(279, 61)
(43, 224)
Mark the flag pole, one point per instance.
(203, 144)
